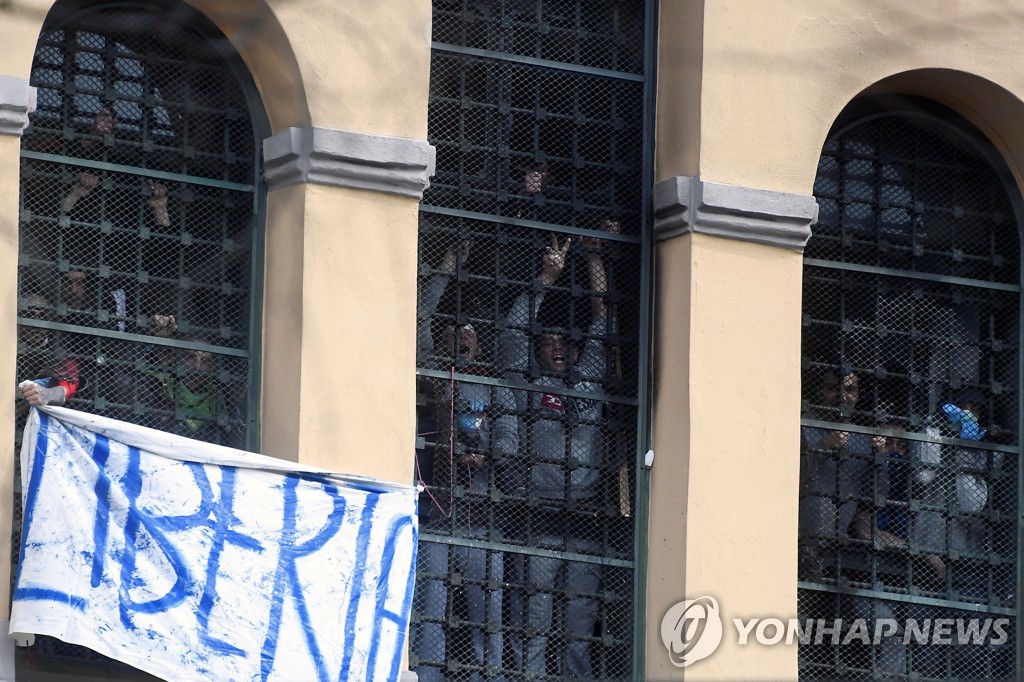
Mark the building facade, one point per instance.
(658, 300)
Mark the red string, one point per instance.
(451, 440)
(451, 457)
(426, 488)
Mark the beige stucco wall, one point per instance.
(20, 21)
(724, 489)
(359, 65)
(362, 346)
(340, 287)
(776, 75)
(281, 383)
(9, 165)
(340, 311)
(680, 66)
(670, 476)
(339, 374)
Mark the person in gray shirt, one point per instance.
(835, 468)
(476, 423)
(558, 462)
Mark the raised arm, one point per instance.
(596, 272)
(553, 261)
(431, 294)
(514, 343)
(157, 203)
(593, 362)
(84, 184)
(63, 384)
(551, 266)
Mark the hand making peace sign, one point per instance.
(553, 261)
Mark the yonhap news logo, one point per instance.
(692, 630)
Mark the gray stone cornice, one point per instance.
(685, 204)
(17, 101)
(325, 156)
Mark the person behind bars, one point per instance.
(557, 471)
(475, 424)
(47, 378)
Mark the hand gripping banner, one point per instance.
(196, 562)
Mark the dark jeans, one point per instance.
(572, 584)
(483, 606)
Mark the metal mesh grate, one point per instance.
(874, 650)
(137, 224)
(910, 474)
(532, 242)
(496, 121)
(135, 275)
(599, 36)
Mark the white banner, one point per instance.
(196, 562)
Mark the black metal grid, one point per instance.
(495, 121)
(912, 651)
(606, 36)
(910, 475)
(137, 206)
(532, 241)
(137, 225)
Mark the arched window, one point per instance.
(911, 385)
(139, 204)
(141, 222)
